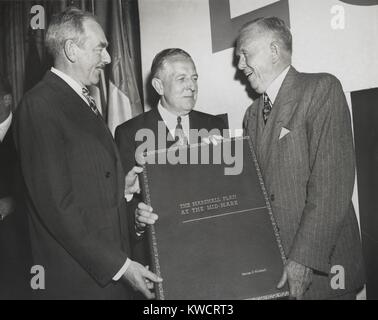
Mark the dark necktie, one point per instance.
(267, 107)
(91, 101)
(179, 132)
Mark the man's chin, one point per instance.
(186, 109)
(256, 88)
(94, 80)
(189, 107)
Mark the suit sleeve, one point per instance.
(331, 181)
(126, 145)
(247, 116)
(47, 173)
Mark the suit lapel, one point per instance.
(287, 98)
(196, 122)
(152, 121)
(282, 111)
(251, 124)
(79, 112)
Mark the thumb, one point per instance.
(151, 276)
(137, 169)
(134, 171)
(283, 280)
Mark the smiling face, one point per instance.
(177, 85)
(254, 50)
(92, 56)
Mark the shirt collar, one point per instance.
(275, 86)
(71, 82)
(170, 120)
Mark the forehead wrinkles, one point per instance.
(93, 32)
(245, 40)
(252, 36)
(177, 65)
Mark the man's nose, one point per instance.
(106, 57)
(241, 63)
(191, 84)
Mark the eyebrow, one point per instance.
(184, 75)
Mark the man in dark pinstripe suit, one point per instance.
(301, 130)
(73, 173)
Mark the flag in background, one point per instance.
(123, 98)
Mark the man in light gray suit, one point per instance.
(301, 130)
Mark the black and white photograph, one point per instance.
(200, 152)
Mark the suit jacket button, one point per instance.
(107, 174)
(272, 197)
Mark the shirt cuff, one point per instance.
(129, 197)
(122, 270)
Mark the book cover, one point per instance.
(216, 237)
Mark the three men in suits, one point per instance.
(73, 173)
(174, 77)
(301, 130)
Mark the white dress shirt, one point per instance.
(4, 126)
(275, 86)
(170, 121)
(79, 90)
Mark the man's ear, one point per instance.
(70, 48)
(158, 86)
(275, 49)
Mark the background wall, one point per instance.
(349, 53)
(328, 36)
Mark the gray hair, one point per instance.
(277, 27)
(66, 25)
(161, 58)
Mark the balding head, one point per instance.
(273, 28)
(264, 49)
(66, 25)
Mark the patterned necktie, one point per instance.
(179, 133)
(91, 101)
(267, 107)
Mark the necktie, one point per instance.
(267, 107)
(91, 101)
(179, 133)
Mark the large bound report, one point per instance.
(216, 237)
